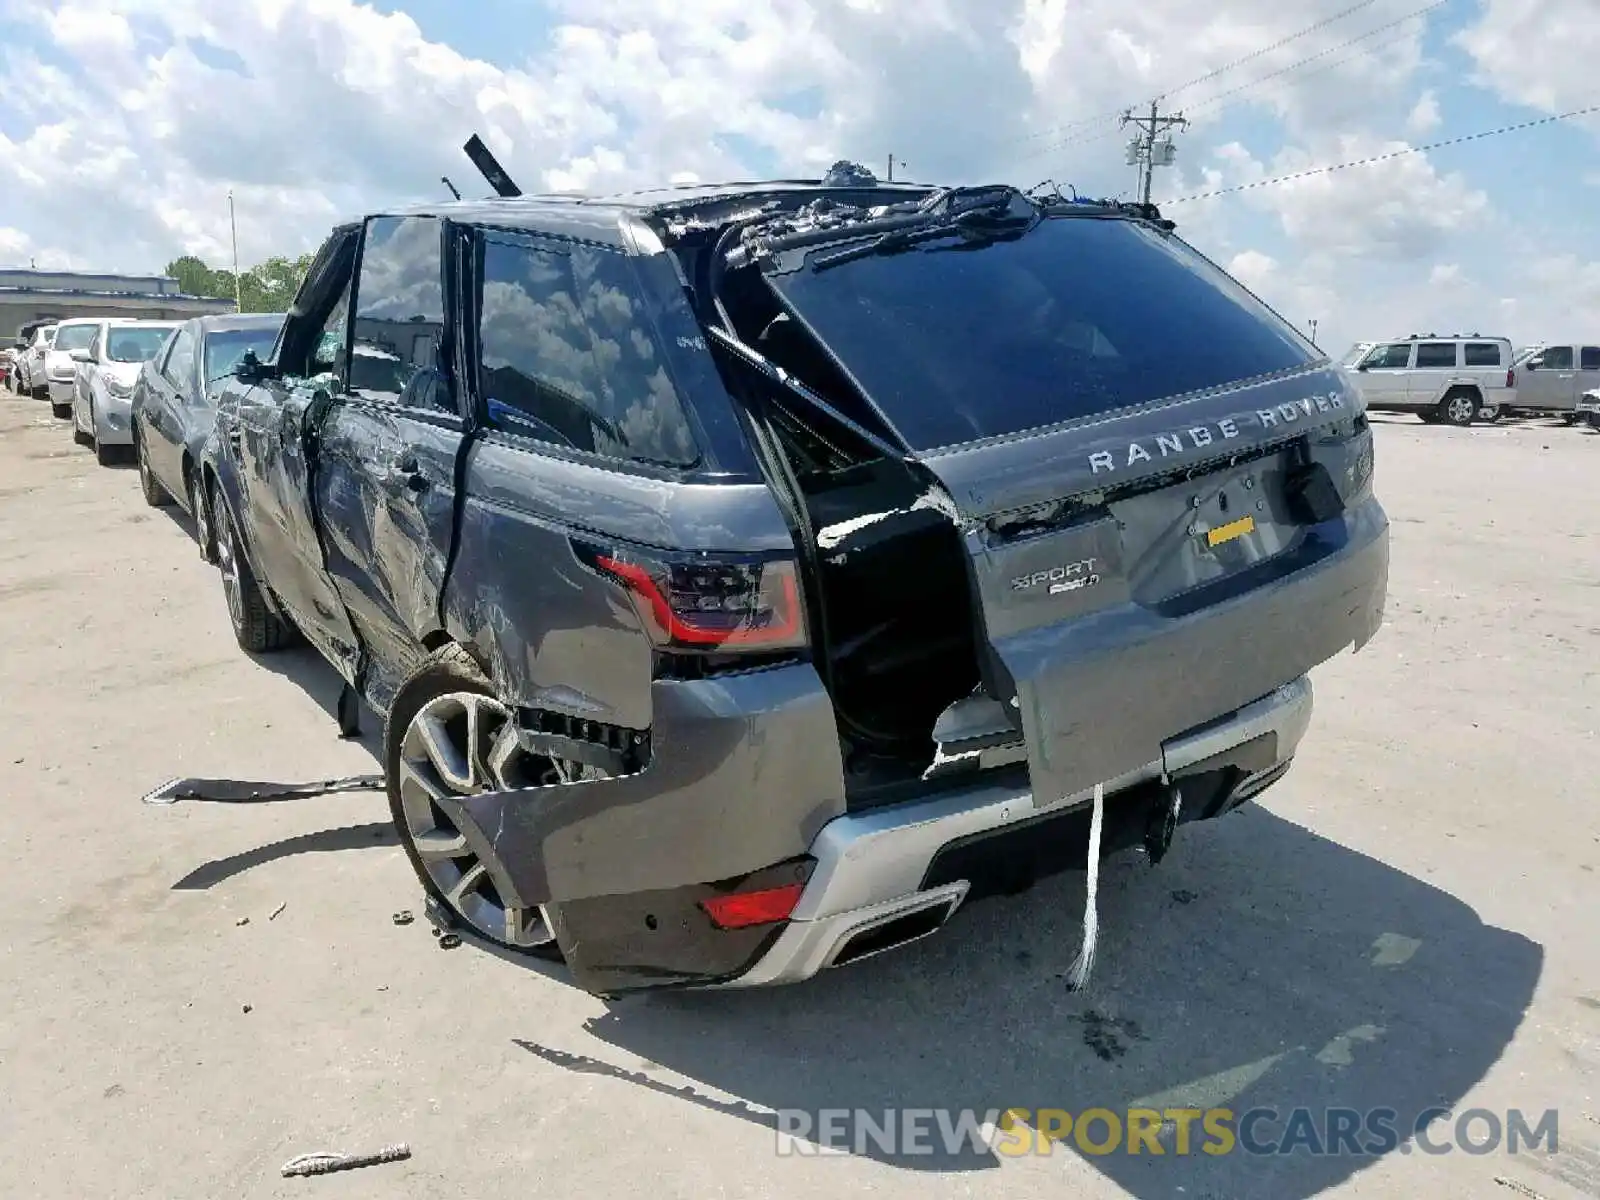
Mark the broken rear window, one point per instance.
(1080, 316)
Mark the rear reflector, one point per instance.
(743, 909)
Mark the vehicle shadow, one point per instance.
(1260, 966)
(302, 666)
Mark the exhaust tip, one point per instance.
(897, 931)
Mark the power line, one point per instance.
(1084, 137)
(1378, 158)
(1277, 45)
(1295, 66)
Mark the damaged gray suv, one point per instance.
(751, 576)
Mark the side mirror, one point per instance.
(250, 368)
(81, 356)
(1363, 366)
(1533, 364)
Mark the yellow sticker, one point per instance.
(1233, 529)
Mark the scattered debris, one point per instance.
(1521, 1189)
(242, 921)
(449, 941)
(403, 917)
(322, 1164)
(247, 1007)
(278, 910)
(1185, 896)
(237, 791)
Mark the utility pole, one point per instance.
(238, 285)
(891, 167)
(1149, 151)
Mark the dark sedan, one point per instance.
(174, 407)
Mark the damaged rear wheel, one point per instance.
(447, 737)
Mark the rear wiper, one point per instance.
(976, 224)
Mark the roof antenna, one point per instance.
(490, 167)
(445, 179)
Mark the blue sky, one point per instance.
(126, 122)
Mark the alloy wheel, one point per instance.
(228, 563)
(1462, 410)
(447, 752)
(201, 513)
(144, 464)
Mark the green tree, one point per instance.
(266, 287)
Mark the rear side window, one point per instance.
(568, 357)
(1436, 354)
(1078, 316)
(1482, 354)
(1396, 354)
(1591, 359)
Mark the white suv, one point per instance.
(1453, 380)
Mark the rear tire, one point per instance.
(449, 700)
(1489, 414)
(1569, 418)
(61, 412)
(1459, 407)
(256, 628)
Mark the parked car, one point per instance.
(1452, 380)
(1589, 408)
(174, 407)
(107, 372)
(8, 366)
(31, 369)
(747, 580)
(60, 373)
(1554, 376)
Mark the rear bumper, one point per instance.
(62, 392)
(872, 877)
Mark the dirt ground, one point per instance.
(1408, 920)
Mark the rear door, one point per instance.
(1433, 366)
(387, 449)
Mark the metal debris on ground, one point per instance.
(322, 1164)
(239, 791)
(1521, 1189)
(449, 941)
(403, 917)
(242, 921)
(278, 910)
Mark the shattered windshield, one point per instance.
(226, 348)
(959, 342)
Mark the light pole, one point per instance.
(1313, 325)
(238, 285)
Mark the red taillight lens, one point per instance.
(706, 604)
(743, 909)
(1511, 377)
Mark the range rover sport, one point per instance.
(753, 575)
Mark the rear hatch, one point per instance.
(1137, 452)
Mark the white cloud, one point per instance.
(1537, 52)
(126, 134)
(1424, 116)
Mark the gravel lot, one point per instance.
(1409, 919)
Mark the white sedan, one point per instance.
(107, 369)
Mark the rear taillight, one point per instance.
(744, 909)
(704, 603)
(1511, 377)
